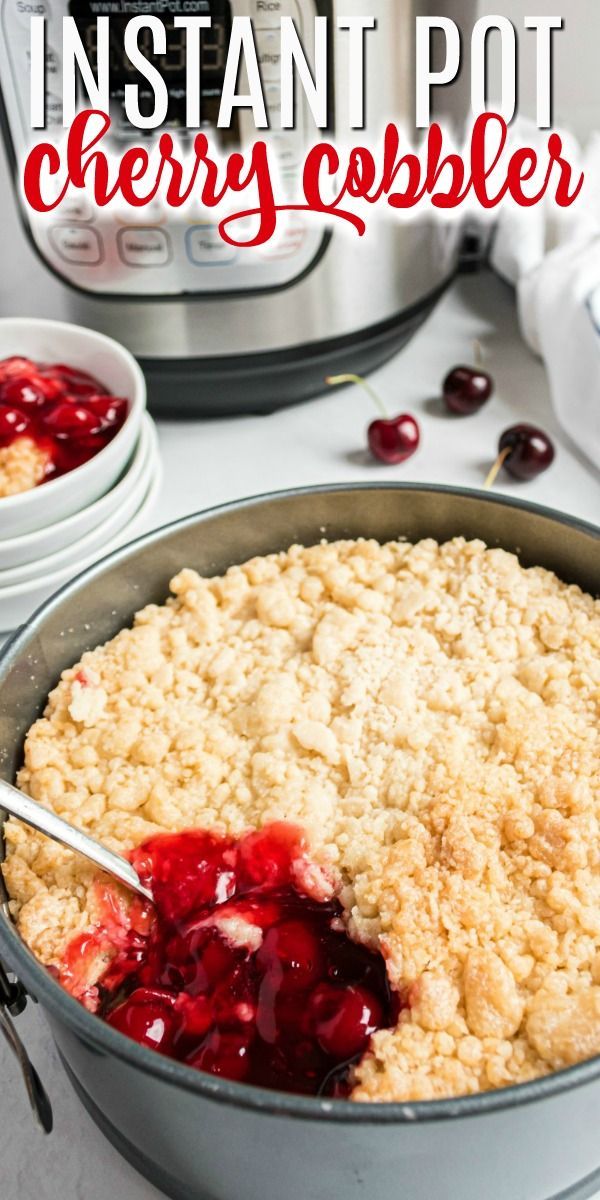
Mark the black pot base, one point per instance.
(267, 381)
(584, 1190)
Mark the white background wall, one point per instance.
(577, 57)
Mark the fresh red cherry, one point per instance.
(395, 439)
(466, 390)
(344, 1018)
(13, 423)
(392, 440)
(530, 451)
(524, 451)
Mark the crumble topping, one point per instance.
(429, 715)
(22, 466)
(240, 933)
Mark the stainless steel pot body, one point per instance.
(191, 308)
(200, 1138)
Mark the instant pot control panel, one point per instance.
(154, 253)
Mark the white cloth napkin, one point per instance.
(553, 259)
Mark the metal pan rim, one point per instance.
(94, 1032)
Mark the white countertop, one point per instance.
(324, 441)
(321, 442)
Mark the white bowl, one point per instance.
(116, 368)
(30, 547)
(19, 602)
(96, 539)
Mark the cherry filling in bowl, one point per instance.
(242, 968)
(67, 414)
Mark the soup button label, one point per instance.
(77, 244)
(144, 247)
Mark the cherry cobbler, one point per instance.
(53, 418)
(363, 782)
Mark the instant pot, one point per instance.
(217, 329)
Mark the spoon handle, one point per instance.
(26, 809)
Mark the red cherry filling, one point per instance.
(11, 368)
(66, 412)
(66, 419)
(189, 872)
(239, 972)
(23, 392)
(111, 410)
(226, 1054)
(13, 424)
(78, 383)
(291, 956)
(343, 1019)
(148, 1018)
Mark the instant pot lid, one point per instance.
(98, 603)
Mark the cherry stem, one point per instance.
(334, 380)
(478, 354)
(497, 467)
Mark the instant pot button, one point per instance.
(52, 62)
(273, 99)
(288, 149)
(290, 243)
(144, 247)
(24, 10)
(54, 109)
(76, 208)
(269, 54)
(206, 248)
(269, 12)
(76, 244)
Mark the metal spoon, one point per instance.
(26, 809)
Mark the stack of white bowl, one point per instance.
(51, 533)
